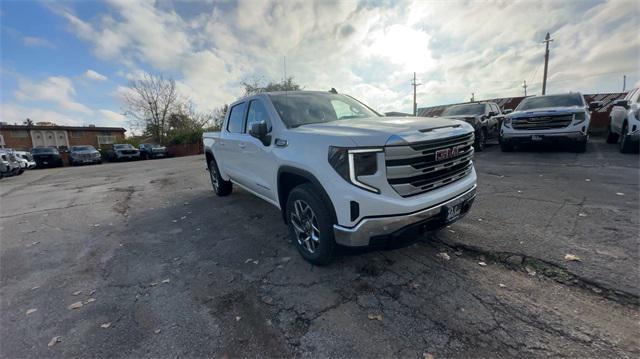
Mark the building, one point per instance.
(26, 137)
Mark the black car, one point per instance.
(47, 157)
(485, 117)
(152, 150)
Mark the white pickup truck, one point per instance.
(341, 173)
(624, 122)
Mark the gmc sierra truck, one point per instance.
(340, 173)
(548, 118)
(483, 116)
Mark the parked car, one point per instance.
(84, 154)
(27, 158)
(340, 172)
(550, 118)
(47, 157)
(124, 151)
(9, 166)
(483, 116)
(624, 122)
(152, 150)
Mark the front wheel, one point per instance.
(626, 145)
(506, 146)
(611, 136)
(580, 147)
(310, 225)
(481, 140)
(220, 186)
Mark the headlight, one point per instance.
(96, 154)
(351, 163)
(579, 117)
(507, 122)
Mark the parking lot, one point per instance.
(162, 267)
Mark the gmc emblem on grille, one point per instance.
(446, 153)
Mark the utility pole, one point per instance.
(415, 104)
(525, 88)
(624, 83)
(284, 68)
(547, 40)
(473, 97)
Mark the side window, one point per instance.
(494, 108)
(257, 113)
(236, 118)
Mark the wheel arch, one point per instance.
(291, 177)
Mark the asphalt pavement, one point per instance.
(141, 259)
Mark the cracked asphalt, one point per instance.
(164, 268)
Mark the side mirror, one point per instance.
(492, 113)
(621, 103)
(259, 130)
(507, 110)
(595, 105)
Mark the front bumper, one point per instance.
(372, 229)
(532, 136)
(135, 156)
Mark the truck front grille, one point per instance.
(542, 122)
(414, 169)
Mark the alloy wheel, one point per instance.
(213, 173)
(305, 226)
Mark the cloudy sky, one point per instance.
(69, 62)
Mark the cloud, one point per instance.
(370, 49)
(93, 75)
(55, 89)
(32, 41)
(112, 116)
(16, 113)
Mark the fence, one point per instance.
(186, 149)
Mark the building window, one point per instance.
(106, 133)
(19, 134)
(76, 134)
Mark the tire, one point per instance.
(506, 146)
(310, 225)
(580, 147)
(626, 145)
(481, 140)
(611, 137)
(220, 186)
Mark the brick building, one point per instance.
(24, 137)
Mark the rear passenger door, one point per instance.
(257, 162)
(231, 141)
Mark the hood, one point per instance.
(84, 152)
(548, 111)
(381, 131)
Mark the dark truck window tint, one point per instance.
(302, 108)
(465, 110)
(257, 113)
(550, 101)
(236, 118)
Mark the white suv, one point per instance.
(340, 172)
(548, 118)
(624, 122)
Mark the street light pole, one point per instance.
(547, 40)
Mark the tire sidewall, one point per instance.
(325, 251)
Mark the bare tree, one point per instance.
(150, 102)
(255, 86)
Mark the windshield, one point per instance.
(41, 150)
(82, 148)
(154, 145)
(303, 108)
(465, 110)
(550, 101)
(123, 147)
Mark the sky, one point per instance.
(70, 62)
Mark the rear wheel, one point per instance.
(220, 186)
(611, 136)
(310, 225)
